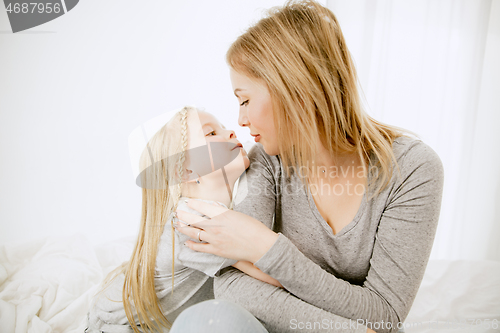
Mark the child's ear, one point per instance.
(187, 176)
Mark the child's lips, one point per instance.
(239, 145)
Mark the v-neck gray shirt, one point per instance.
(370, 270)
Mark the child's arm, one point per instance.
(248, 268)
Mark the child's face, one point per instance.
(211, 146)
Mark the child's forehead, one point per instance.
(206, 118)
(197, 120)
(201, 120)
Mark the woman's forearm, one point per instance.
(279, 310)
(248, 268)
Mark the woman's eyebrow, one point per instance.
(236, 90)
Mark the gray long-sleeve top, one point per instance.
(370, 270)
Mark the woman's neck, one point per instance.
(340, 165)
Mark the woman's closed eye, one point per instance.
(244, 103)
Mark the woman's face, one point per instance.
(204, 128)
(256, 110)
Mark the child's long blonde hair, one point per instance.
(299, 52)
(162, 165)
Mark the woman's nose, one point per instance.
(242, 118)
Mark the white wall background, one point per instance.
(72, 90)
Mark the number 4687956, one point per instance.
(34, 7)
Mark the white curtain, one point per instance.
(433, 67)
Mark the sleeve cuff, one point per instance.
(274, 254)
(225, 264)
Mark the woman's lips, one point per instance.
(257, 138)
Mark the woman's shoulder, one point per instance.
(257, 151)
(412, 154)
(407, 149)
(257, 154)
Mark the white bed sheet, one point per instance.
(46, 286)
(457, 296)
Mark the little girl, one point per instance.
(193, 156)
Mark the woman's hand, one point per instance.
(227, 233)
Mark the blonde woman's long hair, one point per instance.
(299, 52)
(162, 165)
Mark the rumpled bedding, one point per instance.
(461, 296)
(46, 286)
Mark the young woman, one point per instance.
(194, 156)
(340, 209)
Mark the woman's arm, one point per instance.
(249, 269)
(279, 310)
